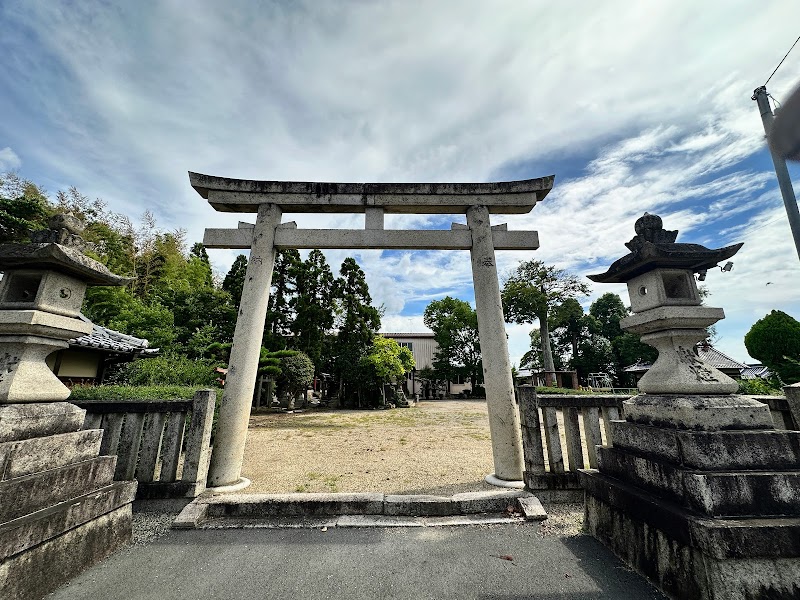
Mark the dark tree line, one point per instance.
(175, 302)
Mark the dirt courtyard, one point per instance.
(437, 447)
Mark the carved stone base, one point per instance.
(24, 374)
(698, 413)
(678, 370)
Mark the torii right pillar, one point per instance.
(504, 422)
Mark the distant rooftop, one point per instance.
(103, 338)
(428, 334)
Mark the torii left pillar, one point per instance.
(226, 460)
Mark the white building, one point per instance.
(424, 347)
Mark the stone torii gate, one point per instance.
(271, 198)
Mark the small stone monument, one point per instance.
(699, 492)
(60, 510)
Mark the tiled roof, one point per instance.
(103, 338)
(718, 360)
(708, 354)
(638, 367)
(755, 372)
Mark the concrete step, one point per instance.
(27, 494)
(33, 529)
(331, 509)
(353, 521)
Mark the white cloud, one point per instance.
(655, 98)
(9, 160)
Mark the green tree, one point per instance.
(313, 307)
(280, 309)
(608, 310)
(386, 361)
(532, 291)
(200, 272)
(234, 280)
(775, 341)
(24, 208)
(455, 328)
(358, 321)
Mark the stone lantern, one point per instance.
(41, 295)
(60, 509)
(668, 315)
(696, 489)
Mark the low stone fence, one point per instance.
(785, 410)
(153, 439)
(559, 435)
(560, 432)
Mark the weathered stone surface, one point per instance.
(24, 374)
(698, 412)
(742, 493)
(691, 557)
(745, 493)
(727, 450)
(747, 538)
(40, 454)
(40, 570)
(504, 422)
(245, 195)
(35, 528)
(273, 505)
(25, 421)
(711, 450)
(234, 412)
(419, 505)
(29, 493)
(491, 501)
(678, 369)
(379, 521)
(532, 508)
(192, 515)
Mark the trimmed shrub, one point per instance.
(166, 371)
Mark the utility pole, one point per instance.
(787, 191)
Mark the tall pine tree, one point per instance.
(313, 307)
(234, 280)
(280, 310)
(358, 322)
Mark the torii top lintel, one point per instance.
(245, 195)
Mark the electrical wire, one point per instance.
(783, 59)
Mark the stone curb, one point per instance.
(379, 510)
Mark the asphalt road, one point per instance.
(435, 562)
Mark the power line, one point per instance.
(783, 59)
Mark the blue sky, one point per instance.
(633, 106)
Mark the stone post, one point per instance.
(234, 412)
(503, 415)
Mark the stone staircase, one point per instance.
(60, 509)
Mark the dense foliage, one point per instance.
(532, 292)
(775, 341)
(455, 328)
(590, 343)
(175, 301)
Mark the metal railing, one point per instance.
(155, 440)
